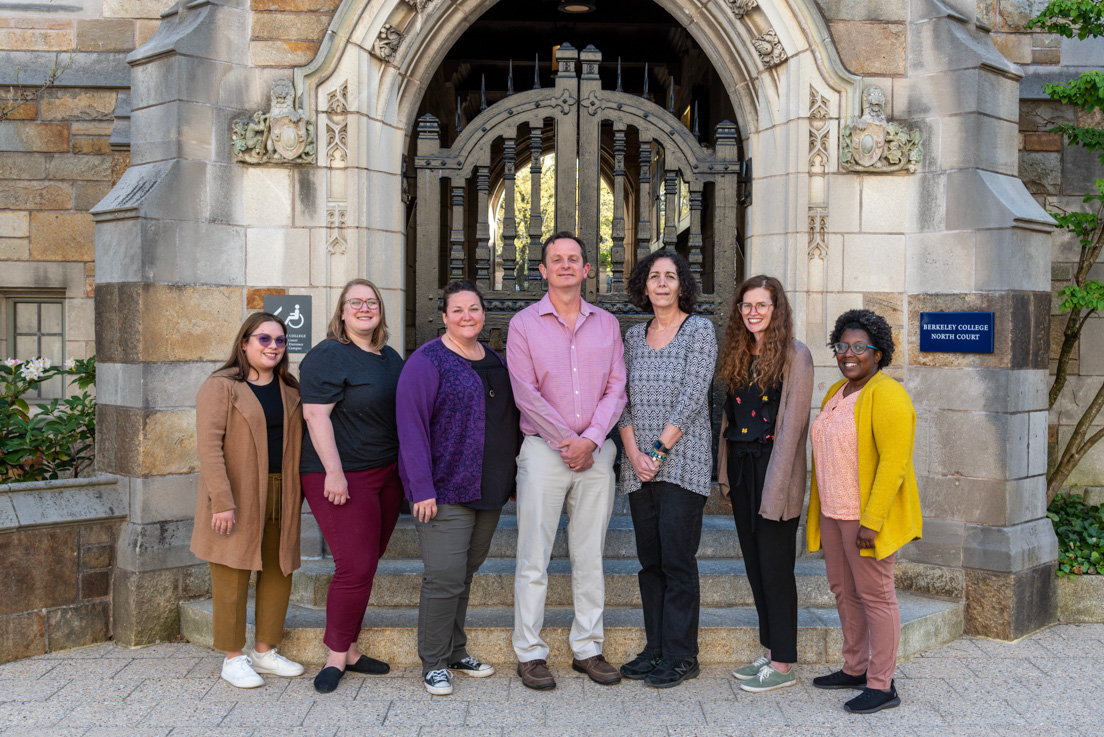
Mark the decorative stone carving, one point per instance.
(769, 49)
(419, 5)
(818, 233)
(283, 135)
(388, 42)
(818, 132)
(740, 8)
(335, 229)
(337, 141)
(871, 144)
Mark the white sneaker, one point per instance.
(438, 682)
(274, 663)
(239, 672)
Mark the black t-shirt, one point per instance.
(362, 386)
(501, 434)
(752, 411)
(273, 405)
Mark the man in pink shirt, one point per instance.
(567, 367)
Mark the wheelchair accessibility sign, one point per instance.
(295, 311)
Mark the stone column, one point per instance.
(170, 258)
(976, 241)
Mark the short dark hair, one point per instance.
(566, 235)
(871, 323)
(638, 282)
(455, 287)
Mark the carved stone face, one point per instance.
(873, 100)
(283, 96)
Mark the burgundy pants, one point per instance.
(356, 533)
(867, 603)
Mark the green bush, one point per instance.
(1080, 531)
(53, 439)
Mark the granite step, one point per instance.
(727, 635)
(398, 582)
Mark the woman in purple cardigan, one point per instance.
(458, 444)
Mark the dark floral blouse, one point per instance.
(751, 412)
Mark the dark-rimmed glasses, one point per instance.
(358, 304)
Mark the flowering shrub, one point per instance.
(53, 439)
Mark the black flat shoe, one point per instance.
(872, 700)
(640, 666)
(369, 666)
(839, 679)
(671, 672)
(327, 679)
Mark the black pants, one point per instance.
(769, 549)
(667, 520)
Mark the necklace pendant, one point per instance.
(491, 393)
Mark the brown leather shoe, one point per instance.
(535, 675)
(598, 669)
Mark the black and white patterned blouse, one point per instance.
(671, 385)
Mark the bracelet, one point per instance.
(659, 446)
(655, 454)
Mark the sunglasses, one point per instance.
(856, 348)
(265, 340)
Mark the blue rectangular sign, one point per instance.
(956, 332)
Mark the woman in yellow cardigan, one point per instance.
(864, 505)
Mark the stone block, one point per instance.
(96, 556)
(1025, 347)
(1013, 259)
(254, 298)
(1041, 171)
(36, 196)
(266, 197)
(67, 166)
(1082, 52)
(977, 390)
(289, 26)
(62, 236)
(95, 585)
(1013, 15)
(151, 9)
(77, 104)
(929, 580)
(1080, 599)
(15, 224)
(884, 201)
(15, 249)
(874, 263)
(1092, 348)
(145, 606)
(1008, 606)
(22, 635)
(1016, 47)
(22, 166)
(40, 569)
(1079, 170)
(91, 145)
(155, 547)
(276, 256)
(894, 10)
(152, 442)
(53, 503)
(196, 581)
(177, 323)
(87, 194)
(36, 39)
(1042, 141)
(1046, 56)
(26, 111)
(940, 262)
(871, 48)
(26, 137)
(78, 626)
(979, 444)
(282, 53)
(1010, 549)
(295, 6)
(105, 35)
(940, 545)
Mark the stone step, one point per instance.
(718, 539)
(716, 504)
(727, 635)
(398, 583)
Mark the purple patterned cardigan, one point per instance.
(441, 414)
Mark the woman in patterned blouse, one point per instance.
(667, 461)
(761, 464)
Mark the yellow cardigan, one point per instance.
(888, 497)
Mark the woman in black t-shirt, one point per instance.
(349, 467)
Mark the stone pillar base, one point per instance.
(147, 603)
(1008, 606)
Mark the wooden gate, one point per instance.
(646, 155)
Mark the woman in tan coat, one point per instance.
(249, 429)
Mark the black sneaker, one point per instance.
(640, 666)
(839, 679)
(671, 672)
(872, 700)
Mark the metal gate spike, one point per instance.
(696, 130)
(536, 74)
(619, 75)
(645, 93)
(483, 93)
(459, 127)
(671, 97)
(510, 80)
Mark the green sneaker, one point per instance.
(747, 672)
(769, 679)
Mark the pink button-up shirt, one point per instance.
(566, 384)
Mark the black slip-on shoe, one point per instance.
(671, 672)
(327, 679)
(640, 666)
(839, 679)
(369, 666)
(872, 700)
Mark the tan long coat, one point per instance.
(233, 473)
(784, 486)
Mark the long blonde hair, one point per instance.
(336, 328)
(774, 348)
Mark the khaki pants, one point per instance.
(230, 587)
(544, 486)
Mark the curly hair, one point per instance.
(871, 323)
(637, 286)
(774, 348)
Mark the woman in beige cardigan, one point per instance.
(249, 430)
(761, 464)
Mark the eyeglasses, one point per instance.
(358, 304)
(265, 339)
(856, 348)
(760, 307)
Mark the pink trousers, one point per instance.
(867, 603)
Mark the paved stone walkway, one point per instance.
(1046, 685)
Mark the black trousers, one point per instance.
(769, 548)
(667, 520)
